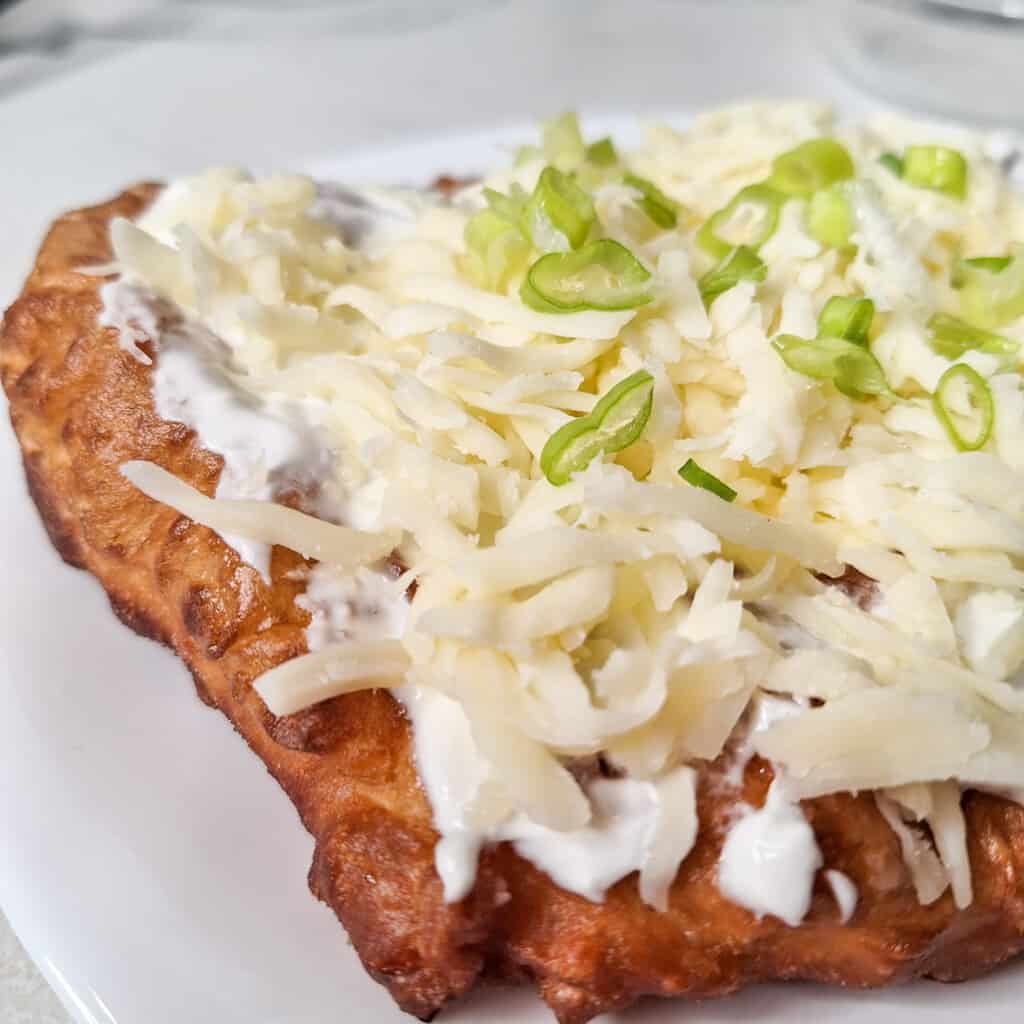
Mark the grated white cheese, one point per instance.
(331, 343)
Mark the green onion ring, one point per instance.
(615, 423)
(813, 165)
(767, 200)
(603, 275)
(979, 395)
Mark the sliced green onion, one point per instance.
(601, 275)
(749, 218)
(892, 162)
(741, 264)
(510, 206)
(693, 474)
(662, 210)
(615, 423)
(829, 218)
(961, 385)
(532, 298)
(847, 318)
(851, 367)
(937, 168)
(562, 142)
(496, 249)
(964, 270)
(602, 153)
(952, 337)
(559, 214)
(992, 293)
(810, 166)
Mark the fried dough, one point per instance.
(81, 406)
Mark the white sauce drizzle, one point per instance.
(369, 605)
(134, 312)
(845, 892)
(592, 859)
(770, 855)
(770, 858)
(630, 817)
(453, 775)
(268, 446)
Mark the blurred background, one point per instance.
(97, 93)
(960, 57)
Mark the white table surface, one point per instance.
(265, 91)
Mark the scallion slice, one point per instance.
(510, 206)
(851, 367)
(601, 275)
(741, 264)
(697, 477)
(559, 214)
(662, 210)
(991, 290)
(615, 423)
(810, 166)
(602, 153)
(952, 337)
(530, 297)
(496, 249)
(829, 218)
(963, 397)
(990, 264)
(848, 318)
(562, 141)
(937, 168)
(892, 162)
(749, 218)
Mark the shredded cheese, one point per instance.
(628, 612)
(263, 521)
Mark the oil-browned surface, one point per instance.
(81, 407)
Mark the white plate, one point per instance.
(155, 871)
(150, 865)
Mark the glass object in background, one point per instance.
(959, 58)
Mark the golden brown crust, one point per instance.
(81, 406)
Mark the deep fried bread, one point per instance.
(81, 406)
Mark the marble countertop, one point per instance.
(25, 997)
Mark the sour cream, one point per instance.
(770, 858)
(269, 446)
(629, 821)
